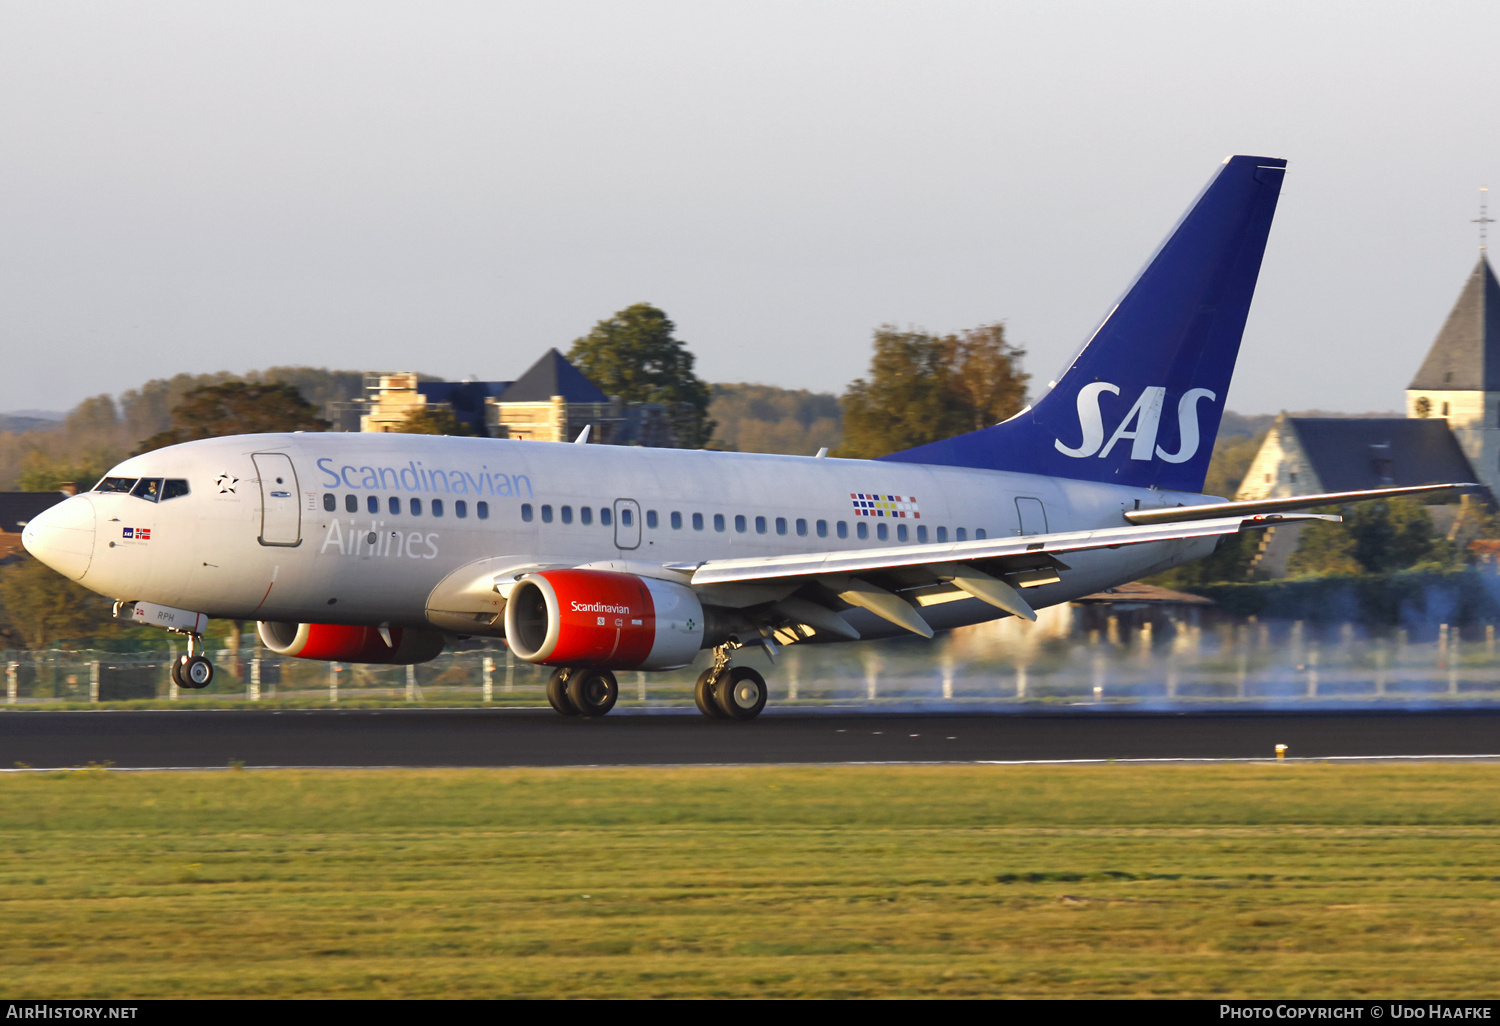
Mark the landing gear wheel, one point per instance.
(557, 691)
(194, 672)
(743, 695)
(177, 677)
(593, 692)
(705, 694)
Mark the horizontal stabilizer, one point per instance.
(1253, 507)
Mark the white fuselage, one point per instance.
(242, 545)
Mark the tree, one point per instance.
(634, 355)
(433, 420)
(43, 473)
(1375, 538)
(922, 388)
(38, 605)
(235, 408)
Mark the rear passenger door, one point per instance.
(1033, 515)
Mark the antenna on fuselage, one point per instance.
(583, 436)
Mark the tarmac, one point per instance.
(538, 737)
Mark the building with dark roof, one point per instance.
(553, 401)
(1459, 382)
(1451, 431)
(16, 510)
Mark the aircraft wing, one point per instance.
(894, 582)
(1212, 510)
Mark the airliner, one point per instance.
(383, 548)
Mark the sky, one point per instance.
(454, 187)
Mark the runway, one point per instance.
(526, 737)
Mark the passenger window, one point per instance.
(372, 503)
(351, 504)
(781, 525)
(921, 534)
(460, 509)
(881, 531)
(862, 529)
(148, 488)
(942, 533)
(546, 514)
(626, 518)
(676, 521)
(329, 502)
(416, 507)
(719, 522)
(979, 533)
(740, 523)
(801, 528)
(822, 529)
(651, 519)
(174, 488)
(394, 505)
(760, 525)
(605, 516)
(843, 529)
(483, 509)
(526, 512)
(961, 535)
(437, 507)
(566, 514)
(585, 514)
(901, 532)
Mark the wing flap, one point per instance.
(1024, 549)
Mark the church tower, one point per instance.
(1460, 379)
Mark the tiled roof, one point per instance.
(1465, 356)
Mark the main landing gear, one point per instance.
(723, 692)
(193, 670)
(582, 691)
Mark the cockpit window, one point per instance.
(115, 484)
(148, 488)
(174, 488)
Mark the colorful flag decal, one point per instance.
(877, 504)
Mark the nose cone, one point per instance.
(62, 536)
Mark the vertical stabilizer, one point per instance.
(1140, 403)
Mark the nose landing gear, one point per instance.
(193, 670)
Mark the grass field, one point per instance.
(1311, 880)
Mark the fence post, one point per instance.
(255, 674)
(1313, 657)
(1021, 682)
(640, 685)
(487, 672)
(411, 683)
(171, 665)
(334, 669)
(1453, 642)
(872, 675)
(510, 670)
(1380, 667)
(1442, 646)
(1097, 676)
(793, 672)
(947, 665)
(12, 682)
(94, 681)
(1489, 641)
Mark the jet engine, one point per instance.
(341, 643)
(604, 619)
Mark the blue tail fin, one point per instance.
(1140, 403)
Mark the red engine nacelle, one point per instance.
(605, 619)
(341, 643)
